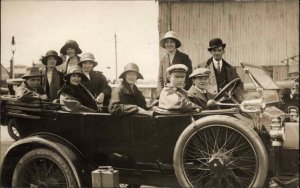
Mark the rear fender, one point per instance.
(69, 152)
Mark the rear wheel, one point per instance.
(43, 168)
(220, 151)
(12, 130)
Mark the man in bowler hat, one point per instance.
(221, 71)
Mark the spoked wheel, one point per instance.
(220, 151)
(43, 168)
(12, 130)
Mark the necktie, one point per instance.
(218, 67)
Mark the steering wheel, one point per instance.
(227, 92)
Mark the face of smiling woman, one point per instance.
(71, 52)
(131, 77)
(75, 79)
(170, 45)
(51, 61)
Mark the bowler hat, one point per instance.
(170, 35)
(87, 57)
(70, 44)
(177, 68)
(75, 70)
(32, 72)
(131, 67)
(53, 53)
(200, 72)
(215, 43)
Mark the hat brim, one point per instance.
(177, 42)
(195, 76)
(83, 77)
(26, 76)
(95, 63)
(124, 74)
(63, 50)
(59, 60)
(216, 46)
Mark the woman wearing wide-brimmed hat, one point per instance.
(97, 83)
(30, 90)
(127, 98)
(71, 49)
(171, 43)
(73, 95)
(52, 79)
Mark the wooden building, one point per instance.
(259, 32)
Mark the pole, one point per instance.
(116, 57)
(13, 49)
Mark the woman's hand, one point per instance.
(100, 98)
(44, 97)
(142, 111)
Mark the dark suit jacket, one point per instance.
(179, 58)
(230, 74)
(98, 84)
(199, 98)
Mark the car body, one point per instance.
(241, 146)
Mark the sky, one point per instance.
(39, 26)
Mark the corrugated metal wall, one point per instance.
(256, 32)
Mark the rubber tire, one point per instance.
(249, 133)
(10, 125)
(48, 154)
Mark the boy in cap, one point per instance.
(198, 93)
(30, 90)
(173, 96)
(221, 71)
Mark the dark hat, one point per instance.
(87, 57)
(75, 70)
(54, 54)
(200, 72)
(177, 68)
(170, 35)
(70, 44)
(32, 72)
(131, 67)
(215, 43)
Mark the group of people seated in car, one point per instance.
(79, 88)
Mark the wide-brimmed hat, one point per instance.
(131, 67)
(53, 53)
(32, 72)
(177, 68)
(170, 35)
(75, 70)
(87, 57)
(70, 44)
(215, 43)
(200, 72)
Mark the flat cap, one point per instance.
(199, 72)
(177, 68)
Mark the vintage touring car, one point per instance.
(248, 144)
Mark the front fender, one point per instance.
(74, 158)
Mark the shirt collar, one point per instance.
(216, 63)
(201, 90)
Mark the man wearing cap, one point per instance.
(173, 96)
(221, 71)
(198, 93)
(97, 83)
(171, 43)
(30, 90)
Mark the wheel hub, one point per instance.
(217, 163)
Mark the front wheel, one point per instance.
(220, 151)
(43, 168)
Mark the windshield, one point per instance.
(264, 81)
